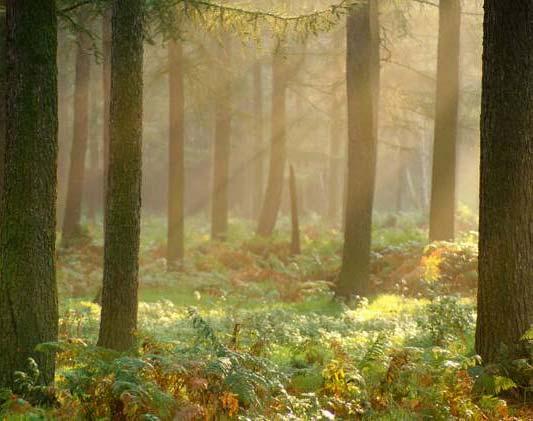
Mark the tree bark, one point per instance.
(93, 183)
(442, 207)
(3, 89)
(505, 293)
(278, 149)
(28, 293)
(176, 150)
(106, 85)
(72, 219)
(123, 207)
(362, 73)
(222, 147)
(295, 222)
(334, 167)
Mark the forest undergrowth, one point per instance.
(247, 331)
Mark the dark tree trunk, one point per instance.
(295, 222)
(72, 219)
(505, 294)
(106, 86)
(442, 208)
(278, 149)
(123, 207)
(28, 293)
(3, 88)
(259, 151)
(362, 88)
(176, 150)
(222, 147)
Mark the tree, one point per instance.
(258, 137)
(3, 88)
(123, 204)
(106, 87)
(334, 166)
(295, 222)
(362, 71)
(72, 217)
(442, 208)
(222, 146)
(28, 292)
(176, 160)
(505, 289)
(278, 148)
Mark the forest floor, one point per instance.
(247, 331)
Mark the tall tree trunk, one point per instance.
(442, 208)
(295, 222)
(123, 207)
(176, 150)
(259, 151)
(334, 167)
(106, 86)
(505, 293)
(362, 70)
(3, 89)
(222, 147)
(72, 219)
(28, 293)
(278, 149)
(93, 185)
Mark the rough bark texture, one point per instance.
(72, 218)
(295, 221)
(362, 69)
(3, 87)
(176, 159)
(505, 293)
(121, 251)
(93, 185)
(442, 208)
(259, 151)
(28, 293)
(222, 147)
(278, 149)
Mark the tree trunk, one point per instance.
(72, 218)
(278, 149)
(3, 89)
(176, 150)
(335, 167)
(28, 293)
(442, 207)
(295, 223)
(222, 146)
(93, 182)
(123, 207)
(505, 294)
(259, 152)
(106, 85)
(362, 88)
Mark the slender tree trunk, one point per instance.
(93, 184)
(259, 152)
(123, 207)
(278, 149)
(505, 293)
(3, 89)
(295, 222)
(28, 293)
(335, 167)
(442, 208)
(362, 88)
(72, 219)
(176, 150)
(222, 147)
(106, 86)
